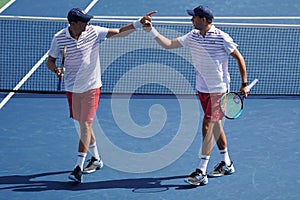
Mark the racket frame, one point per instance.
(241, 96)
(62, 67)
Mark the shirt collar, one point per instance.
(212, 29)
(68, 34)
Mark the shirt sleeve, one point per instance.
(101, 32)
(229, 44)
(183, 40)
(54, 48)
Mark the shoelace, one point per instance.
(195, 173)
(219, 167)
(90, 161)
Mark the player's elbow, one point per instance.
(168, 44)
(165, 44)
(167, 47)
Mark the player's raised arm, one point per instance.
(129, 28)
(160, 39)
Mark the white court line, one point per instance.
(35, 67)
(24, 79)
(90, 6)
(7, 5)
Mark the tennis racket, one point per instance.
(232, 103)
(62, 67)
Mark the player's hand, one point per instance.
(147, 19)
(245, 90)
(59, 72)
(147, 26)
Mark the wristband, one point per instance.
(137, 24)
(154, 33)
(245, 84)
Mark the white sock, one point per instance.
(225, 156)
(203, 163)
(94, 151)
(80, 160)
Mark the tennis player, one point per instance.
(210, 48)
(82, 77)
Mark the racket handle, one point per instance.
(59, 84)
(253, 83)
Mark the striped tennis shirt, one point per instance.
(82, 63)
(210, 58)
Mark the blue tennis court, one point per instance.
(150, 142)
(38, 145)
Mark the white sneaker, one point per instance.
(221, 169)
(197, 178)
(93, 165)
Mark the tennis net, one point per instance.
(136, 64)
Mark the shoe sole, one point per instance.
(194, 184)
(92, 171)
(214, 175)
(218, 175)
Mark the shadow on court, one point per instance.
(24, 183)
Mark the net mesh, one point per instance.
(137, 64)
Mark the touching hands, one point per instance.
(147, 21)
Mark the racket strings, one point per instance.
(231, 105)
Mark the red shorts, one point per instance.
(83, 106)
(210, 105)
